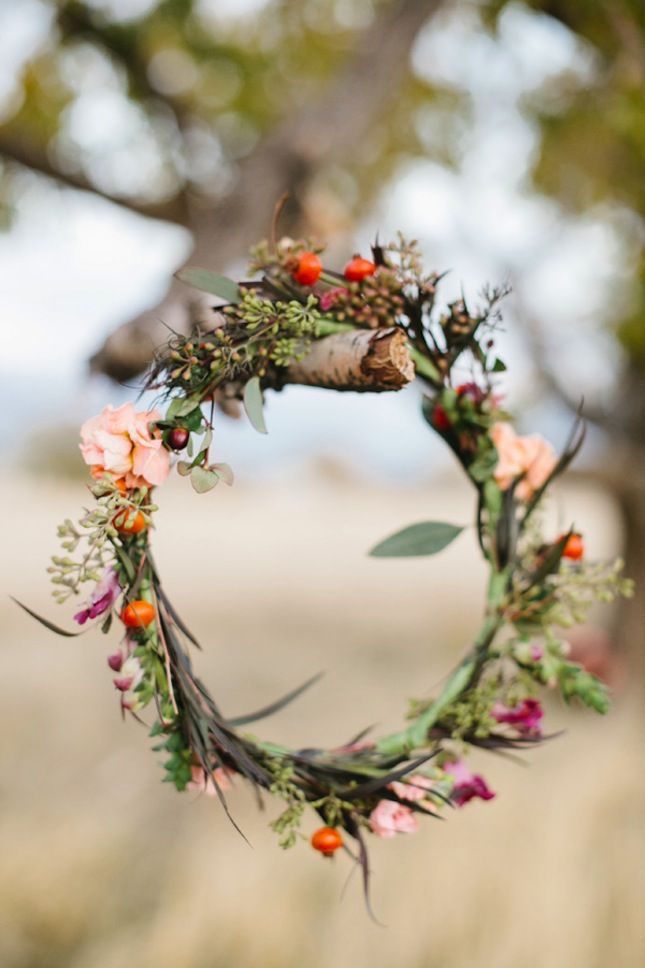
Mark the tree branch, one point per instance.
(27, 153)
(373, 360)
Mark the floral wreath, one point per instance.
(373, 327)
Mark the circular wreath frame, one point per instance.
(372, 328)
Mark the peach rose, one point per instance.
(119, 442)
(416, 788)
(389, 818)
(531, 456)
(200, 783)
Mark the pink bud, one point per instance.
(115, 661)
(123, 683)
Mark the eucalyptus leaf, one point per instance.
(183, 468)
(425, 538)
(203, 479)
(208, 281)
(181, 407)
(253, 404)
(224, 471)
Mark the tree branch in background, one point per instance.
(285, 161)
(25, 152)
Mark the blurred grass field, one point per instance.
(104, 867)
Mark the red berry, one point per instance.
(358, 269)
(178, 438)
(138, 614)
(326, 840)
(308, 269)
(574, 548)
(440, 419)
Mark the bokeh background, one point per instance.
(137, 135)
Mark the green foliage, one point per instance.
(253, 404)
(208, 281)
(425, 538)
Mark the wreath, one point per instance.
(373, 327)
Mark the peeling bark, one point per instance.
(371, 360)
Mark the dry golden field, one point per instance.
(103, 867)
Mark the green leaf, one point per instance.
(499, 366)
(203, 479)
(208, 281)
(43, 621)
(426, 538)
(182, 407)
(126, 562)
(253, 404)
(184, 468)
(224, 471)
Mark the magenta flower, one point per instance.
(389, 818)
(525, 717)
(466, 785)
(105, 593)
(327, 299)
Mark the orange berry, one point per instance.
(358, 269)
(327, 840)
(138, 614)
(308, 269)
(129, 521)
(574, 548)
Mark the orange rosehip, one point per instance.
(358, 269)
(308, 269)
(574, 548)
(138, 614)
(129, 521)
(327, 840)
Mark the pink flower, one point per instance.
(525, 716)
(415, 788)
(115, 661)
(130, 675)
(203, 784)
(105, 593)
(537, 652)
(389, 818)
(119, 442)
(329, 298)
(531, 456)
(466, 785)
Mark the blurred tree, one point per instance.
(593, 151)
(180, 114)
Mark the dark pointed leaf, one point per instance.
(43, 621)
(274, 707)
